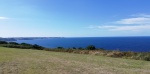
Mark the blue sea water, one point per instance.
(136, 44)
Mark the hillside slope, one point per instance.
(26, 61)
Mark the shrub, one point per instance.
(60, 48)
(14, 43)
(69, 50)
(3, 42)
(147, 58)
(74, 48)
(35, 46)
(91, 47)
(25, 44)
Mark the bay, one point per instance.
(136, 44)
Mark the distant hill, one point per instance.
(7, 39)
(24, 38)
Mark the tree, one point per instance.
(73, 47)
(35, 46)
(14, 43)
(3, 42)
(91, 47)
(60, 48)
(25, 44)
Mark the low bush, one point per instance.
(22, 45)
(3, 42)
(60, 48)
(91, 47)
(14, 43)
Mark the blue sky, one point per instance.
(74, 18)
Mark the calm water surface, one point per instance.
(137, 44)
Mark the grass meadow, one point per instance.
(27, 61)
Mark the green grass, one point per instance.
(27, 61)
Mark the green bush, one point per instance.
(147, 58)
(3, 42)
(60, 48)
(14, 43)
(91, 47)
(35, 46)
(73, 47)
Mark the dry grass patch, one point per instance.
(18, 61)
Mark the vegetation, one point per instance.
(13, 43)
(60, 48)
(3, 42)
(22, 45)
(17, 61)
(91, 49)
(101, 52)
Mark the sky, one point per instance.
(74, 18)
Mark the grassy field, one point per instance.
(26, 61)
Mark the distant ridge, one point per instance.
(25, 38)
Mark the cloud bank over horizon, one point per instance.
(136, 23)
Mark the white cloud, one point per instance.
(136, 21)
(125, 28)
(3, 18)
(139, 22)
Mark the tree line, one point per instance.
(21, 45)
(35, 46)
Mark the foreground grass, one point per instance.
(26, 61)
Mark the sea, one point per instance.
(135, 44)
